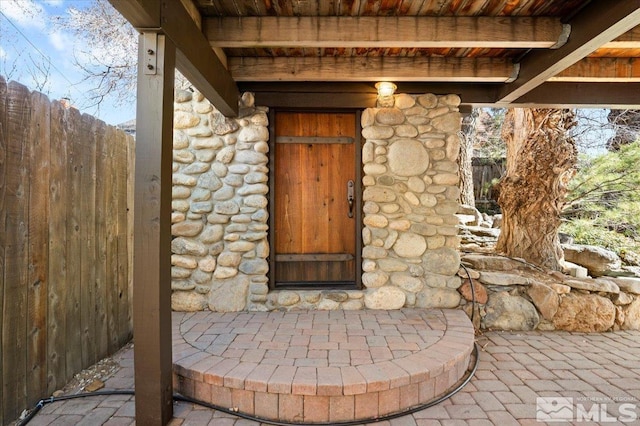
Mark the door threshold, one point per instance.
(317, 285)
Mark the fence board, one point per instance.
(124, 313)
(65, 245)
(3, 169)
(74, 243)
(101, 212)
(486, 171)
(87, 213)
(111, 227)
(39, 152)
(14, 345)
(131, 170)
(56, 313)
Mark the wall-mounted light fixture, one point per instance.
(386, 90)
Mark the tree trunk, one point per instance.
(465, 166)
(540, 161)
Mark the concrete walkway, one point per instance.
(573, 376)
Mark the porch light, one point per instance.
(386, 90)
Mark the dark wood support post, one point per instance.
(152, 232)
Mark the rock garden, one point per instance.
(594, 293)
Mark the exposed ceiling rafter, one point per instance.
(370, 32)
(619, 70)
(396, 69)
(598, 23)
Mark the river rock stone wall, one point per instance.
(219, 220)
(410, 233)
(220, 217)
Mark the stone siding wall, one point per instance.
(219, 221)
(411, 197)
(220, 209)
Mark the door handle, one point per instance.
(350, 197)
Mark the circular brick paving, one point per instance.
(319, 366)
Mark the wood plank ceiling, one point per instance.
(489, 51)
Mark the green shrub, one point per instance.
(604, 201)
(584, 232)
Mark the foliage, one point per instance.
(487, 142)
(109, 58)
(583, 231)
(16, 63)
(108, 52)
(604, 201)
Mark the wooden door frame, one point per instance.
(358, 198)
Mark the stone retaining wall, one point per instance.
(220, 212)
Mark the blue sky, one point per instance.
(31, 47)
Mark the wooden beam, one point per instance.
(363, 94)
(369, 32)
(140, 13)
(195, 59)
(628, 40)
(615, 70)
(582, 95)
(193, 11)
(334, 68)
(358, 94)
(152, 242)
(597, 24)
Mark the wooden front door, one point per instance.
(315, 200)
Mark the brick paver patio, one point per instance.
(320, 366)
(599, 372)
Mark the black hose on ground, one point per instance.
(46, 401)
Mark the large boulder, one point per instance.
(507, 312)
(440, 298)
(598, 285)
(492, 263)
(229, 295)
(188, 301)
(632, 316)
(596, 259)
(385, 297)
(503, 278)
(479, 292)
(584, 313)
(545, 299)
(628, 284)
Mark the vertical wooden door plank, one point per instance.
(39, 152)
(74, 244)
(87, 212)
(100, 264)
(152, 268)
(3, 190)
(14, 333)
(56, 312)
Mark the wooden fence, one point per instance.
(486, 171)
(65, 244)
